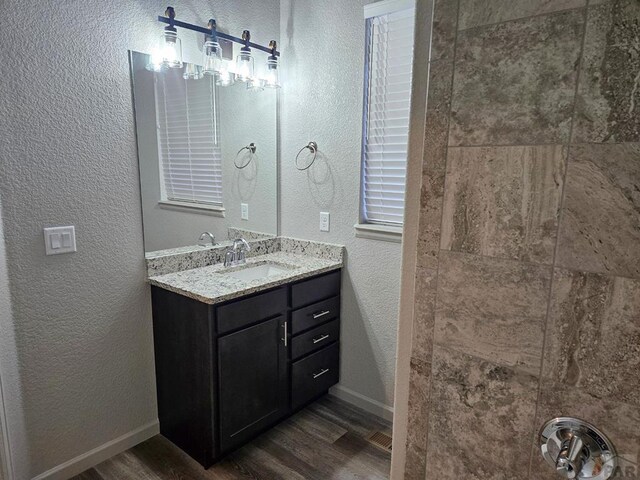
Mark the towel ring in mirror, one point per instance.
(313, 148)
(252, 150)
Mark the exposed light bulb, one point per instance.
(244, 65)
(172, 49)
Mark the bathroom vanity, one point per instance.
(238, 348)
(234, 357)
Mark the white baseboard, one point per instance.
(99, 454)
(365, 403)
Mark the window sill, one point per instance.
(385, 233)
(213, 210)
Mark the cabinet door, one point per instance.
(252, 366)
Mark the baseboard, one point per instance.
(365, 403)
(99, 454)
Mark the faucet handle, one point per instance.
(229, 258)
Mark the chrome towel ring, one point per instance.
(313, 148)
(252, 150)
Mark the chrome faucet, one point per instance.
(203, 242)
(236, 255)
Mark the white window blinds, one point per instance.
(190, 156)
(389, 57)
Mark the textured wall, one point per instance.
(11, 418)
(82, 321)
(323, 60)
(527, 282)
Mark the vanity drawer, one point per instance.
(314, 375)
(313, 315)
(315, 289)
(240, 313)
(315, 339)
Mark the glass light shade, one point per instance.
(171, 49)
(225, 77)
(244, 65)
(271, 79)
(212, 58)
(192, 72)
(255, 84)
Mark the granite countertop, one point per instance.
(209, 284)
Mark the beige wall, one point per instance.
(528, 279)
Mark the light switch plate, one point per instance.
(59, 240)
(244, 211)
(324, 221)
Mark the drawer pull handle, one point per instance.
(320, 339)
(284, 325)
(322, 372)
(321, 314)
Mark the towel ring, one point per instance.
(313, 147)
(252, 148)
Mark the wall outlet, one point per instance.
(244, 211)
(324, 221)
(59, 240)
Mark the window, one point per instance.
(387, 102)
(190, 156)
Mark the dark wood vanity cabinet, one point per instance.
(225, 373)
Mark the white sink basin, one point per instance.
(257, 272)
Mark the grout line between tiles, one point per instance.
(555, 250)
(528, 17)
(506, 259)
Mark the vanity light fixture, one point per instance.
(169, 54)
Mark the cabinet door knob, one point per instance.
(322, 372)
(321, 314)
(320, 339)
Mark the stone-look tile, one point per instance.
(424, 314)
(443, 36)
(619, 421)
(515, 82)
(608, 102)
(419, 391)
(483, 12)
(600, 224)
(593, 335)
(493, 309)
(503, 201)
(434, 162)
(481, 419)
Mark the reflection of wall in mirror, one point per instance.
(243, 115)
(249, 117)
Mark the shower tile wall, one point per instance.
(528, 277)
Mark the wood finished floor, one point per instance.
(327, 440)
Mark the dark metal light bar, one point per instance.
(207, 31)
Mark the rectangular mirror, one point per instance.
(207, 156)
